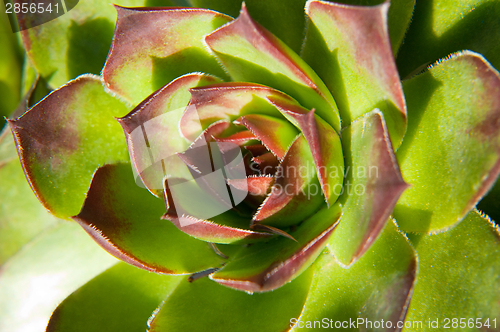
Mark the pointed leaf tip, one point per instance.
(355, 40)
(250, 53)
(372, 186)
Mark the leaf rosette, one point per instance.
(245, 161)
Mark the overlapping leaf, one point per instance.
(372, 187)
(266, 266)
(450, 155)
(458, 273)
(152, 47)
(57, 136)
(252, 54)
(356, 61)
(378, 287)
(126, 221)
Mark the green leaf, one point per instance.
(206, 306)
(372, 186)
(399, 16)
(441, 27)
(296, 192)
(376, 287)
(76, 42)
(450, 154)
(22, 217)
(252, 54)
(283, 19)
(227, 101)
(126, 221)
(152, 131)
(38, 277)
(65, 137)
(324, 144)
(263, 267)
(118, 300)
(349, 48)
(458, 275)
(153, 47)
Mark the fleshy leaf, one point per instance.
(206, 306)
(252, 54)
(73, 44)
(372, 186)
(458, 273)
(152, 131)
(266, 266)
(22, 217)
(226, 101)
(223, 224)
(378, 287)
(440, 27)
(324, 143)
(65, 137)
(119, 299)
(284, 19)
(46, 270)
(399, 17)
(296, 192)
(276, 134)
(126, 221)
(450, 155)
(349, 48)
(152, 47)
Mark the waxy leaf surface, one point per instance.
(252, 54)
(283, 19)
(65, 137)
(228, 102)
(45, 271)
(324, 143)
(296, 192)
(451, 153)
(152, 47)
(152, 131)
(266, 266)
(22, 217)
(75, 43)
(126, 221)
(206, 306)
(372, 186)
(349, 48)
(378, 286)
(441, 27)
(458, 273)
(120, 299)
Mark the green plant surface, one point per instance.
(259, 167)
(459, 273)
(447, 181)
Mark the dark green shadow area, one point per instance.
(418, 93)
(120, 299)
(192, 59)
(88, 46)
(490, 204)
(326, 65)
(479, 31)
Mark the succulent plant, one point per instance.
(251, 176)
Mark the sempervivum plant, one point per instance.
(291, 177)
